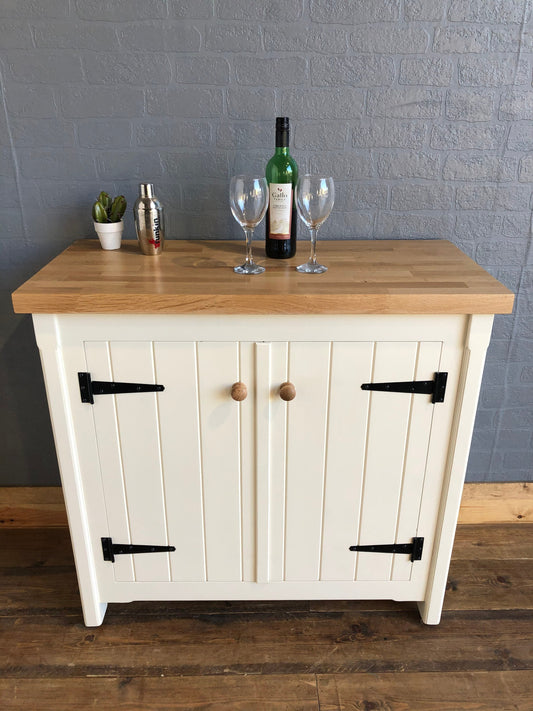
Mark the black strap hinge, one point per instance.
(111, 549)
(89, 388)
(414, 548)
(435, 387)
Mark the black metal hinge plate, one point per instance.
(435, 387)
(111, 549)
(414, 548)
(89, 388)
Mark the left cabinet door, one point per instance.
(176, 465)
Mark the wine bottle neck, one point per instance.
(282, 150)
(282, 133)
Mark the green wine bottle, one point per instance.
(281, 218)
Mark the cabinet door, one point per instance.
(175, 465)
(354, 460)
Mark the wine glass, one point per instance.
(248, 197)
(315, 196)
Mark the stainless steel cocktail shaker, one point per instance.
(149, 220)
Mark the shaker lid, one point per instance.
(146, 190)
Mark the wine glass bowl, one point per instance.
(248, 196)
(315, 196)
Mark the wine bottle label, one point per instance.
(280, 207)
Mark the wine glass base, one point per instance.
(310, 268)
(249, 269)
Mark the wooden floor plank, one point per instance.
(490, 502)
(35, 548)
(31, 592)
(504, 541)
(489, 584)
(471, 691)
(212, 693)
(32, 506)
(212, 644)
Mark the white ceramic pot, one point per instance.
(109, 233)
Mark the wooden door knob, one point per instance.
(239, 391)
(287, 391)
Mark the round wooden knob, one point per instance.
(239, 391)
(287, 391)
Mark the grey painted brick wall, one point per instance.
(421, 109)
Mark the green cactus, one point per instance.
(107, 210)
(105, 200)
(99, 213)
(118, 208)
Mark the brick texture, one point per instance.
(421, 109)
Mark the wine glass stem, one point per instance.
(312, 257)
(248, 232)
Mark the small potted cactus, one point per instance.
(108, 223)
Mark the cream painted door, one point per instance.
(177, 465)
(347, 466)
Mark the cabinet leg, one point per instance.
(93, 615)
(430, 612)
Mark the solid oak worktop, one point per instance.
(364, 277)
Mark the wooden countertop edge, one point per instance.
(500, 303)
(447, 282)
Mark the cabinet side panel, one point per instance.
(473, 358)
(351, 365)
(218, 369)
(175, 368)
(110, 456)
(306, 450)
(386, 442)
(73, 427)
(141, 456)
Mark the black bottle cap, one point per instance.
(282, 131)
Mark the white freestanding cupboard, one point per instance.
(278, 436)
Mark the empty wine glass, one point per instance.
(248, 197)
(315, 196)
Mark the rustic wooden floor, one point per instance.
(290, 656)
